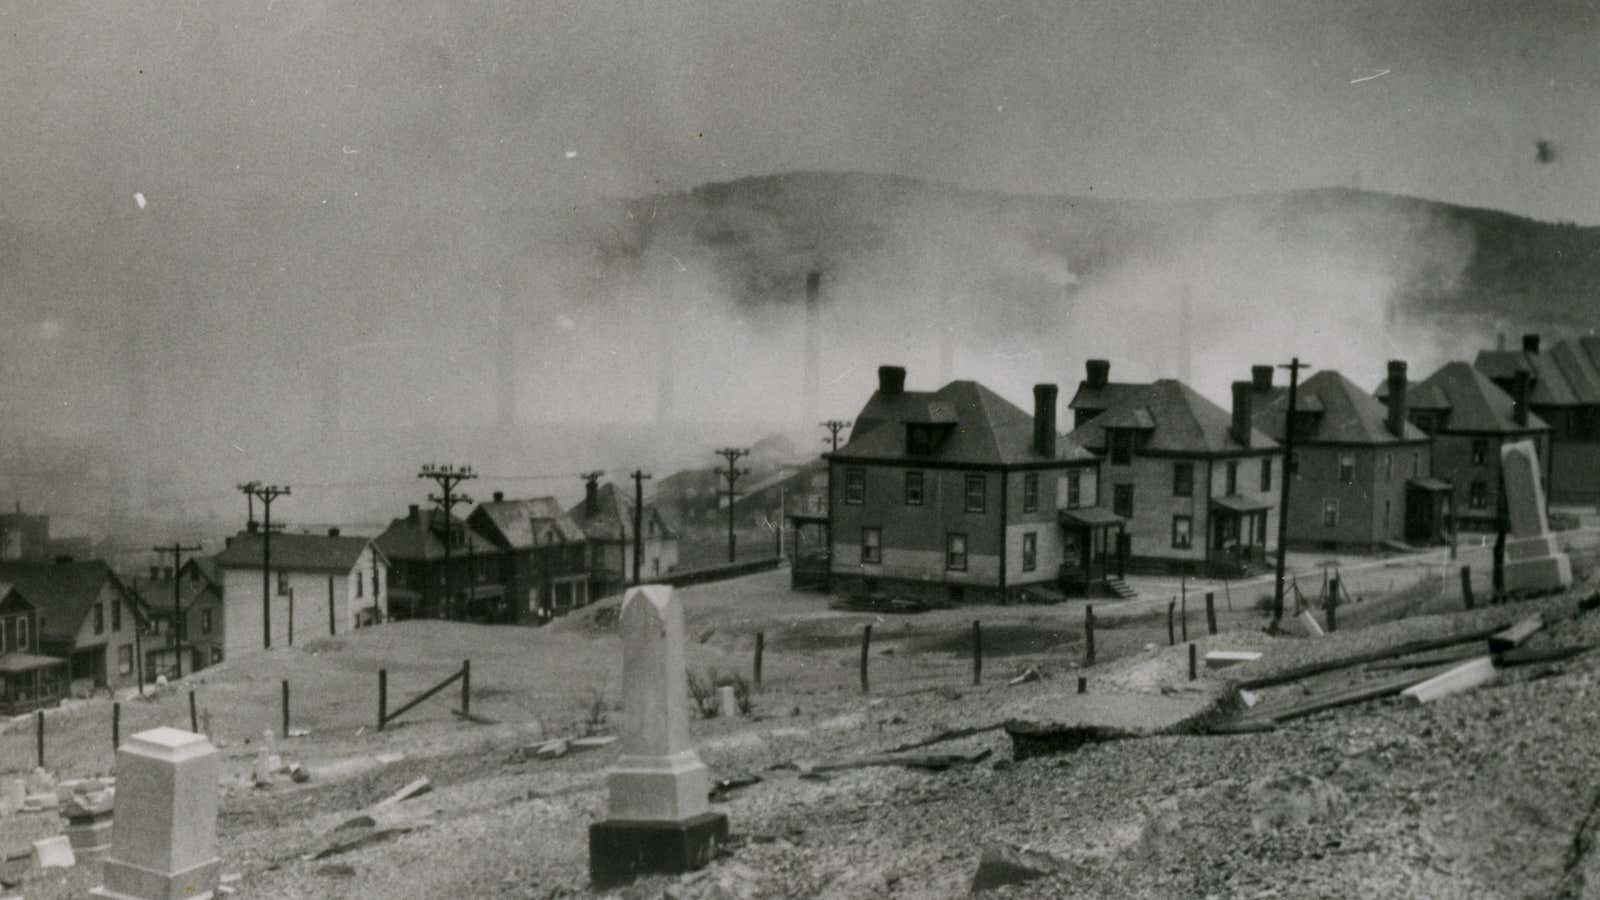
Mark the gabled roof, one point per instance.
(63, 593)
(1112, 393)
(157, 593)
(319, 552)
(1474, 402)
(520, 523)
(613, 516)
(985, 428)
(1182, 421)
(422, 538)
(1581, 372)
(1345, 414)
(1549, 385)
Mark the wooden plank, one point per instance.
(1344, 662)
(1515, 636)
(1434, 659)
(1455, 680)
(1527, 656)
(1383, 687)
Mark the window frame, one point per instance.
(1266, 474)
(921, 488)
(283, 583)
(1030, 492)
(1116, 500)
(954, 562)
(205, 621)
(125, 660)
(1183, 479)
(1231, 477)
(981, 482)
(1030, 551)
(1121, 446)
(1330, 505)
(1188, 532)
(99, 618)
(875, 546)
(1480, 451)
(116, 613)
(1347, 468)
(855, 486)
(1075, 489)
(1478, 495)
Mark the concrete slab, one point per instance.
(53, 853)
(1464, 677)
(1222, 659)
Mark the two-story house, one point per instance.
(606, 516)
(1563, 391)
(200, 642)
(86, 615)
(544, 561)
(28, 679)
(1469, 417)
(958, 495)
(1362, 473)
(441, 572)
(317, 585)
(1199, 487)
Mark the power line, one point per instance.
(177, 550)
(1289, 467)
(266, 494)
(732, 474)
(639, 477)
(447, 477)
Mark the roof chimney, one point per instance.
(591, 497)
(1519, 395)
(412, 512)
(1530, 343)
(1098, 372)
(499, 496)
(1241, 412)
(891, 380)
(1261, 378)
(1044, 420)
(333, 532)
(1398, 409)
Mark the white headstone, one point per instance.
(1533, 561)
(729, 701)
(658, 777)
(164, 832)
(53, 853)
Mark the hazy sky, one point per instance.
(308, 164)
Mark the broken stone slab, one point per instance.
(591, 743)
(1063, 721)
(1460, 678)
(1028, 674)
(386, 759)
(1310, 624)
(1222, 659)
(41, 802)
(553, 749)
(415, 789)
(53, 853)
(1005, 864)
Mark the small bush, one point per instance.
(702, 690)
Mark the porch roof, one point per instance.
(1091, 517)
(1241, 504)
(1432, 485)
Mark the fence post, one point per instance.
(1083, 684)
(1211, 612)
(977, 653)
(383, 696)
(38, 718)
(1466, 586)
(1193, 669)
(1333, 604)
(1088, 634)
(466, 687)
(286, 709)
(761, 645)
(1172, 634)
(116, 726)
(194, 715)
(1183, 615)
(866, 645)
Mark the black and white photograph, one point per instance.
(742, 449)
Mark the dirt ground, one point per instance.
(1491, 793)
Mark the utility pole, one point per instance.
(266, 494)
(732, 474)
(639, 477)
(248, 488)
(447, 477)
(1294, 367)
(834, 426)
(177, 550)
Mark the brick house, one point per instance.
(1563, 390)
(85, 615)
(320, 585)
(1468, 418)
(1199, 487)
(957, 494)
(1362, 472)
(199, 585)
(544, 562)
(606, 516)
(28, 679)
(430, 581)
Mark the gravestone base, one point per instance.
(90, 836)
(125, 881)
(622, 850)
(1542, 573)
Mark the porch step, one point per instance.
(1121, 589)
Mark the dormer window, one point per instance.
(1121, 447)
(919, 440)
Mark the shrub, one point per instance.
(703, 692)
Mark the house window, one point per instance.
(205, 621)
(99, 618)
(919, 440)
(1480, 451)
(1182, 531)
(855, 486)
(1478, 496)
(1416, 464)
(1292, 461)
(1183, 479)
(124, 660)
(359, 586)
(21, 631)
(1074, 489)
(116, 613)
(1347, 468)
(872, 545)
(1121, 447)
(1030, 551)
(216, 654)
(374, 584)
(1122, 500)
(955, 552)
(913, 488)
(1330, 512)
(1266, 474)
(1030, 492)
(975, 493)
(283, 584)
(1388, 466)
(1233, 477)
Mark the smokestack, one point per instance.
(499, 496)
(1241, 412)
(891, 380)
(333, 532)
(591, 498)
(1044, 420)
(1098, 372)
(1519, 394)
(1261, 378)
(1397, 398)
(813, 361)
(1530, 343)
(412, 512)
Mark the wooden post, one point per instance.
(38, 719)
(1211, 612)
(1183, 607)
(194, 715)
(1088, 635)
(761, 646)
(383, 696)
(1333, 604)
(1193, 669)
(1172, 635)
(466, 687)
(116, 726)
(1466, 586)
(977, 653)
(866, 645)
(1227, 594)
(1083, 684)
(285, 709)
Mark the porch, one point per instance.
(1093, 539)
(810, 553)
(1237, 536)
(1429, 504)
(29, 682)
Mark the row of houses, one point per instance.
(958, 493)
